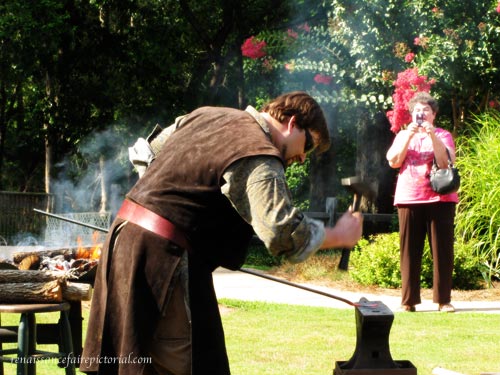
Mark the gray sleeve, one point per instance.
(257, 189)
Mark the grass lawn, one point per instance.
(280, 339)
(276, 339)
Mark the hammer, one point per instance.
(358, 189)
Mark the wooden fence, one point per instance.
(17, 217)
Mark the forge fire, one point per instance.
(77, 260)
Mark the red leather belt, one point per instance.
(153, 222)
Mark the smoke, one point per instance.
(96, 177)
(90, 187)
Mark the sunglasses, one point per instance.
(309, 145)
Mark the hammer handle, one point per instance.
(356, 202)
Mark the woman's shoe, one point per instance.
(446, 307)
(407, 308)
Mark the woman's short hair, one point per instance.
(423, 98)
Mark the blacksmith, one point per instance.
(218, 179)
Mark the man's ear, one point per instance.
(291, 124)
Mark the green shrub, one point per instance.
(467, 267)
(478, 212)
(376, 262)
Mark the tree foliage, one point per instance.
(74, 68)
(357, 54)
(350, 62)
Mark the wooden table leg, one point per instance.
(75, 321)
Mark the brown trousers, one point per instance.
(170, 348)
(436, 221)
(189, 336)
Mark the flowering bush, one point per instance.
(280, 49)
(407, 84)
(353, 58)
(459, 44)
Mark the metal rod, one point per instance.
(71, 220)
(244, 270)
(272, 278)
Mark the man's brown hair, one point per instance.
(307, 112)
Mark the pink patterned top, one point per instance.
(413, 184)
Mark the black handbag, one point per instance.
(446, 180)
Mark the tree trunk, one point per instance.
(374, 139)
(48, 163)
(104, 193)
(3, 127)
(48, 146)
(323, 172)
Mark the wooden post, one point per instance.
(331, 210)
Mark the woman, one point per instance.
(421, 211)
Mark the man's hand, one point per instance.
(346, 232)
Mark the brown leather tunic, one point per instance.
(136, 267)
(183, 183)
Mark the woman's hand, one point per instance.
(428, 127)
(413, 128)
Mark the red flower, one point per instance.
(407, 84)
(253, 49)
(498, 7)
(409, 57)
(325, 80)
(416, 41)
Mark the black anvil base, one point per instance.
(372, 354)
(405, 368)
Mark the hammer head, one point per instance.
(359, 188)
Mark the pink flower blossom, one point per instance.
(325, 80)
(289, 67)
(435, 9)
(305, 27)
(292, 34)
(253, 49)
(498, 7)
(421, 41)
(409, 57)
